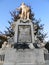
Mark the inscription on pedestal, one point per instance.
(24, 33)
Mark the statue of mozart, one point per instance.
(25, 11)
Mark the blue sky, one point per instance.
(39, 7)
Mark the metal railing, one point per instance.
(2, 57)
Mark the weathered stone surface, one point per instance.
(24, 57)
(9, 63)
(24, 31)
(35, 56)
(10, 55)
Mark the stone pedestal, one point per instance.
(24, 31)
(30, 57)
(24, 57)
(10, 56)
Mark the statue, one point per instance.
(25, 11)
(41, 45)
(31, 46)
(8, 45)
(4, 45)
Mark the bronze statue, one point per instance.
(25, 11)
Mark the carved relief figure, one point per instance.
(25, 11)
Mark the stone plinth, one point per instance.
(24, 57)
(10, 56)
(30, 57)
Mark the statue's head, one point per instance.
(23, 3)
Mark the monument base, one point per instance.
(24, 57)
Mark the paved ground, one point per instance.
(1, 63)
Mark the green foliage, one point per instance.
(38, 28)
(15, 16)
(47, 46)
